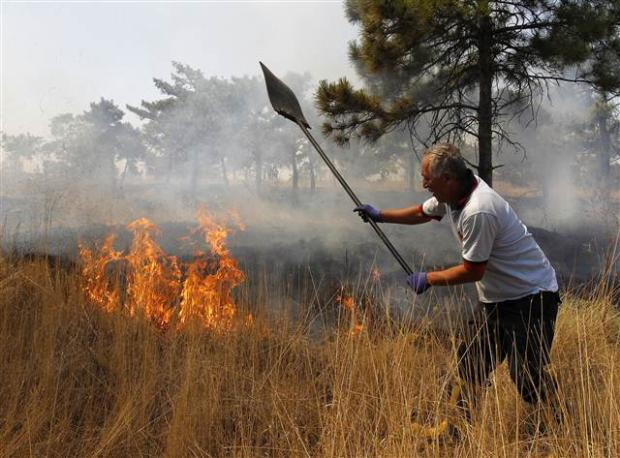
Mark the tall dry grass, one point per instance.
(77, 381)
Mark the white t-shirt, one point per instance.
(489, 230)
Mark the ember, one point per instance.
(162, 287)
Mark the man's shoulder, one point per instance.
(484, 200)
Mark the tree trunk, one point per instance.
(485, 147)
(604, 154)
(295, 177)
(603, 172)
(258, 158)
(224, 172)
(113, 178)
(312, 176)
(194, 176)
(123, 176)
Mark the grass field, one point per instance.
(76, 380)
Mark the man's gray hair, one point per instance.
(446, 158)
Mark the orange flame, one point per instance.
(155, 283)
(209, 297)
(96, 285)
(357, 329)
(348, 303)
(153, 280)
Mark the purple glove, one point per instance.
(367, 212)
(417, 282)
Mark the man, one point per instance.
(516, 284)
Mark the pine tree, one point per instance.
(459, 69)
(90, 144)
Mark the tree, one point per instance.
(606, 139)
(21, 148)
(292, 147)
(462, 68)
(599, 135)
(271, 142)
(195, 120)
(91, 144)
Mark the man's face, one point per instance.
(443, 187)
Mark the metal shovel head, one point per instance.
(282, 98)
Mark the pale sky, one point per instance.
(57, 57)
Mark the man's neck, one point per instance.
(467, 188)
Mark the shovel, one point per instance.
(285, 103)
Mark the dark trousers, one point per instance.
(519, 330)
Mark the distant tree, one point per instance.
(226, 124)
(256, 140)
(453, 69)
(551, 162)
(273, 142)
(292, 144)
(114, 140)
(21, 148)
(195, 120)
(606, 137)
(91, 144)
(599, 136)
(63, 151)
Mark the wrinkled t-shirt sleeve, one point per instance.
(479, 232)
(432, 207)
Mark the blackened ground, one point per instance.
(332, 263)
(317, 244)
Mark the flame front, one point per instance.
(153, 280)
(161, 287)
(209, 297)
(97, 286)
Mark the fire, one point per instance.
(153, 279)
(348, 303)
(161, 287)
(96, 285)
(208, 298)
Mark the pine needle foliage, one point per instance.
(459, 70)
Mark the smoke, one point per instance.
(556, 169)
(220, 145)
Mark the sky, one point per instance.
(57, 57)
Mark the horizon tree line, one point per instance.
(213, 128)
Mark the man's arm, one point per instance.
(467, 272)
(409, 215)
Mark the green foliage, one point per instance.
(455, 69)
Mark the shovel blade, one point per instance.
(282, 98)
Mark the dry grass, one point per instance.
(77, 381)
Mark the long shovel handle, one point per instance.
(358, 202)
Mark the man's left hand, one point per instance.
(417, 282)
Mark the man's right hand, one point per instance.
(368, 212)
